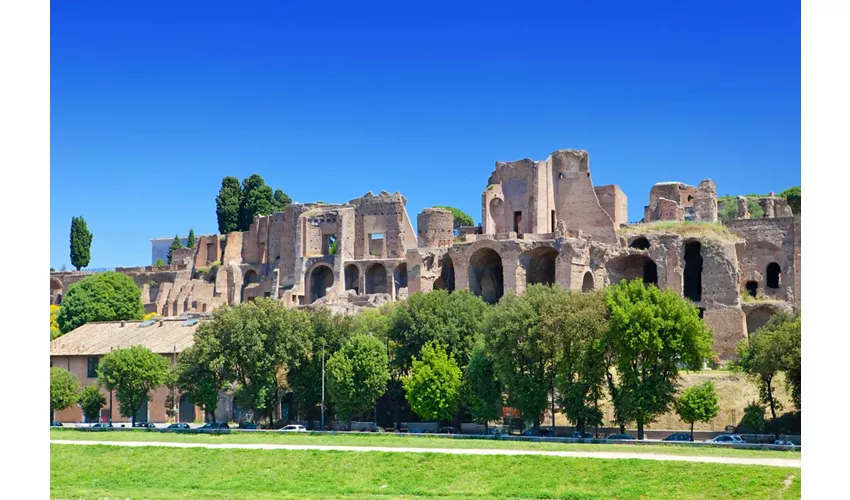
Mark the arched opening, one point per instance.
(55, 291)
(693, 271)
(758, 318)
(446, 281)
(321, 278)
(400, 277)
(587, 283)
(632, 267)
(486, 277)
(187, 409)
(539, 265)
(376, 279)
(250, 280)
(773, 273)
(640, 243)
(352, 278)
(497, 213)
(752, 288)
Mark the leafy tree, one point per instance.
(280, 201)
(92, 400)
(257, 199)
(357, 375)
(175, 245)
(106, 296)
(792, 195)
(461, 218)
(483, 389)
(52, 270)
(697, 404)
(256, 342)
(64, 389)
(132, 373)
(753, 420)
(652, 332)
(190, 241)
(227, 205)
(159, 263)
(200, 374)
(792, 360)
(580, 323)
(81, 240)
(523, 349)
(434, 384)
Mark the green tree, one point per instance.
(523, 349)
(483, 389)
(357, 375)
(697, 404)
(257, 343)
(132, 373)
(227, 205)
(92, 400)
(200, 374)
(280, 201)
(175, 245)
(753, 419)
(461, 218)
(106, 296)
(652, 332)
(190, 241)
(792, 360)
(64, 389)
(81, 240)
(159, 263)
(257, 199)
(792, 195)
(434, 384)
(580, 323)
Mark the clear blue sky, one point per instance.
(152, 103)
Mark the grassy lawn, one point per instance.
(121, 472)
(410, 441)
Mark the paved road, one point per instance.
(772, 462)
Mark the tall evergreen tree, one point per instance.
(175, 245)
(257, 199)
(191, 240)
(80, 243)
(227, 205)
(280, 201)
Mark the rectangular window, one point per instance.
(517, 222)
(92, 371)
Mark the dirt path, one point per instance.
(771, 462)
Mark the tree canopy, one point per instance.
(176, 244)
(81, 239)
(132, 373)
(64, 389)
(792, 195)
(200, 375)
(434, 384)
(190, 241)
(108, 296)
(461, 218)
(697, 404)
(227, 205)
(91, 401)
(237, 205)
(357, 375)
(483, 388)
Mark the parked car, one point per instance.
(581, 435)
(447, 430)
(178, 426)
(780, 442)
(494, 431)
(620, 437)
(209, 426)
(726, 439)
(537, 433)
(144, 425)
(679, 436)
(102, 426)
(248, 425)
(55, 424)
(294, 428)
(379, 429)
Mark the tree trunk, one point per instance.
(622, 428)
(640, 429)
(773, 411)
(692, 431)
(581, 424)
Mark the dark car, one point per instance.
(209, 426)
(620, 437)
(537, 433)
(102, 426)
(248, 425)
(448, 430)
(679, 436)
(55, 424)
(379, 429)
(178, 426)
(581, 435)
(144, 425)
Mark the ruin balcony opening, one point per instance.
(752, 288)
(352, 278)
(539, 265)
(640, 243)
(376, 244)
(486, 275)
(250, 280)
(321, 278)
(773, 275)
(632, 267)
(587, 284)
(376, 279)
(693, 271)
(446, 281)
(329, 244)
(400, 277)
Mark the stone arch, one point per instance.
(486, 276)
(400, 276)
(446, 281)
(55, 291)
(640, 243)
(251, 277)
(693, 271)
(376, 278)
(587, 283)
(539, 265)
(352, 278)
(497, 213)
(631, 267)
(757, 318)
(321, 277)
(772, 275)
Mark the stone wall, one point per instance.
(435, 228)
(613, 200)
(575, 197)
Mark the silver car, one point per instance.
(294, 428)
(727, 439)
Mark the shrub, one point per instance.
(753, 420)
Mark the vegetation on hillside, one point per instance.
(237, 205)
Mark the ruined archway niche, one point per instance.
(55, 291)
(321, 278)
(376, 279)
(632, 267)
(772, 275)
(640, 243)
(693, 271)
(752, 288)
(250, 278)
(446, 281)
(539, 265)
(587, 282)
(352, 278)
(400, 277)
(758, 318)
(497, 212)
(486, 278)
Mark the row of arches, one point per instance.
(321, 278)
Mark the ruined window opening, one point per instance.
(587, 283)
(486, 278)
(376, 279)
(773, 272)
(518, 222)
(752, 288)
(400, 277)
(376, 244)
(329, 244)
(446, 281)
(93, 361)
(539, 265)
(553, 221)
(701, 312)
(758, 318)
(640, 243)
(693, 271)
(632, 267)
(650, 273)
(250, 278)
(321, 278)
(560, 175)
(352, 278)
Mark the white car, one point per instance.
(294, 428)
(726, 439)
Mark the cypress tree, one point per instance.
(175, 245)
(81, 240)
(191, 240)
(227, 205)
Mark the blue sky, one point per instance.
(152, 103)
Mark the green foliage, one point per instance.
(132, 373)
(160, 263)
(280, 201)
(55, 332)
(434, 384)
(357, 375)
(92, 400)
(52, 270)
(460, 218)
(106, 296)
(190, 241)
(651, 333)
(792, 195)
(483, 389)
(227, 205)
(200, 374)
(697, 404)
(81, 240)
(175, 245)
(64, 389)
(257, 199)
(753, 420)
(454, 319)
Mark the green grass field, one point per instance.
(159, 473)
(410, 441)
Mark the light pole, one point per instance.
(323, 386)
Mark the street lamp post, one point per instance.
(323, 387)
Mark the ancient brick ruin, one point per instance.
(542, 222)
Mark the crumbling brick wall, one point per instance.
(577, 204)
